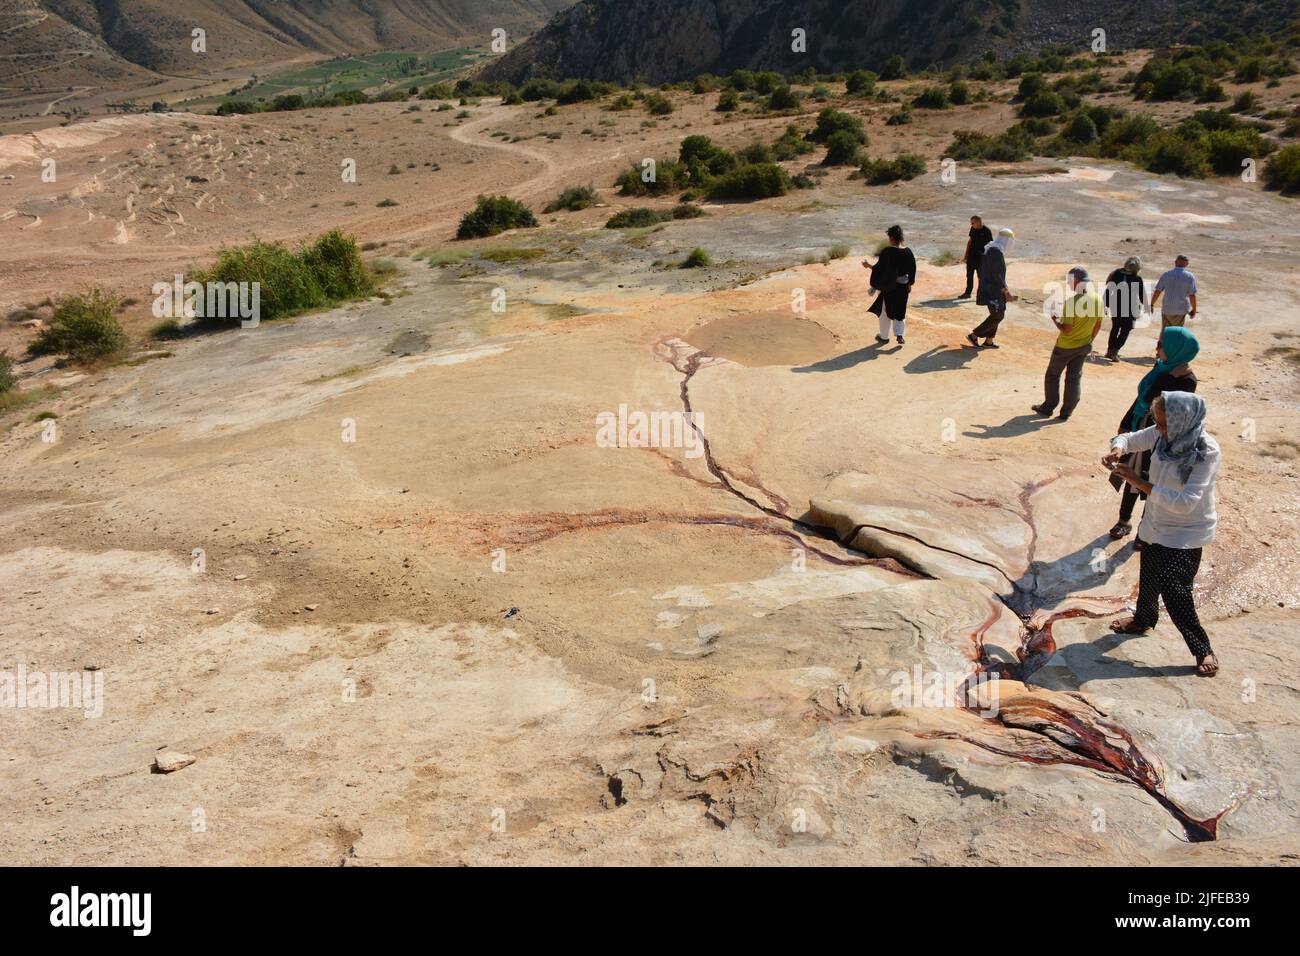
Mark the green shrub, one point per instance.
(1081, 129)
(669, 176)
(1044, 103)
(572, 199)
(791, 144)
(831, 121)
(894, 68)
(860, 83)
(579, 91)
(657, 104)
(334, 261)
(636, 218)
(1227, 148)
(1010, 146)
(685, 210)
(1031, 84)
(728, 101)
(932, 98)
(84, 328)
(622, 102)
(1282, 171)
(495, 214)
(959, 93)
(8, 380)
(1167, 152)
(900, 117)
(697, 258)
(756, 181)
(166, 329)
(755, 153)
(783, 98)
(1247, 102)
(841, 149)
(877, 172)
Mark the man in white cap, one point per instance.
(1081, 322)
(1178, 286)
(993, 291)
(1126, 297)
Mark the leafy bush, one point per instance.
(657, 104)
(791, 144)
(579, 91)
(841, 149)
(1283, 169)
(1044, 103)
(831, 121)
(900, 117)
(860, 83)
(877, 172)
(755, 181)
(1031, 84)
(755, 153)
(685, 210)
(697, 258)
(1227, 148)
(1081, 128)
(572, 199)
(1167, 152)
(1010, 146)
(783, 98)
(319, 274)
(894, 68)
(636, 218)
(84, 328)
(8, 380)
(669, 176)
(728, 101)
(932, 98)
(495, 214)
(959, 93)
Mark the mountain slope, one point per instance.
(51, 36)
(667, 40)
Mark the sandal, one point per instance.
(971, 339)
(1122, 529)
(1208, 665)
(990, 344)
(1128, 626)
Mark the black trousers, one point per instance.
(1168, 573)
(989, 327)
(971, 268)
(1119, 330)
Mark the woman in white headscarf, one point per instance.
(1179, 519)
(993, 291)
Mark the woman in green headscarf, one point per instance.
(1173, 373)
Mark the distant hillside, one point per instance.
(667, 40)
(61, 40)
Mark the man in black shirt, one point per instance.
(1126, 295)
(980, 236)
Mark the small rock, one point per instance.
(167, 760)
(212, 610)
(310, 607)
(240, 577)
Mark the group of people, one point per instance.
(1161, 451)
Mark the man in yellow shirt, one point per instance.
(1082, 321)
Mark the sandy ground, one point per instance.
(434, 618)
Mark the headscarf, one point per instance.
(1185, 422)
(1181, 347)
(1003, 241)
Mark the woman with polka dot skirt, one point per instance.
(1179, 519)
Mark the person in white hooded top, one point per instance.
(1180, 516)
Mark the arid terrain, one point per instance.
(374, 570)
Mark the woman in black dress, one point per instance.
(1173, 373)
(892, 276)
